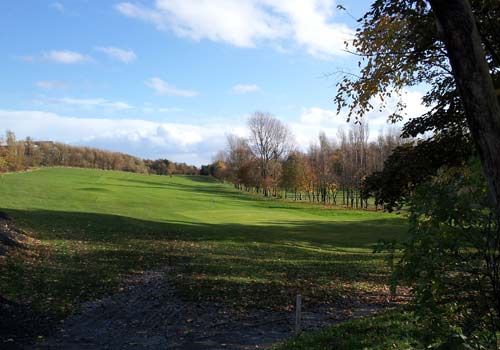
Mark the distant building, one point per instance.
(3, 144)
(43, 143)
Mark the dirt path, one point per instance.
(149, 315)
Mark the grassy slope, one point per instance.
(95, 227)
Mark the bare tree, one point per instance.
(270, 140)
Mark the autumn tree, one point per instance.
(399, 44)
(321, 159)
(458, 31)
(452, 47)
(237, 154)
(295, 174)
(265, 162)
(15, 152)
(3, 154)
(18, 155)
(250, 175)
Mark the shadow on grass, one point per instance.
(86, 255)
(224, 190)
(82, 226)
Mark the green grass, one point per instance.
(97, 227)
(395, 329)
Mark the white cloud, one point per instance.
(65, 57)
(245, 88)
(125, 56)
(163, 88)
(57, 6)
(51, 85)
(192, 143)
(142, 13)
(316, 118)
(307, 24)
(88, 103)
(180, 142)
(148, 108)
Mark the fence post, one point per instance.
(298, 313)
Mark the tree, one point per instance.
(295, 174)
(399, 45)
(270, 140)
(3, 153)
(458, 30)
(170, 168)
(453, 257)
(253, 164)
(450, 262)
(321, 158)
(17, 155)
(237, 153)
(15, 152)
(409, 166)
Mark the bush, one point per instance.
(452, 260)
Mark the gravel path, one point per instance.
(149, 315)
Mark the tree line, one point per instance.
(330, 172)
(19, 155)
(168, 167)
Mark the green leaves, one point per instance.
(450, 258)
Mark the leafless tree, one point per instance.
(270, 140)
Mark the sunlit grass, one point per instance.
(97, 227)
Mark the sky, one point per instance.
(171, 78)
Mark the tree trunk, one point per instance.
(460, 35)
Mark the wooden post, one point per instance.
(298, 313)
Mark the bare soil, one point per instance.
(148, 314)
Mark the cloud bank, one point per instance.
(176, 141)
(181, 142)
(305, 24)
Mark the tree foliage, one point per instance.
(331, 172)
(452, 259)
(18, 155)
(410, 165)
(398, 45)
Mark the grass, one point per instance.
(394, 329)
(95, 228)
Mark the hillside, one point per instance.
(97, 228)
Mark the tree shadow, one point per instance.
(222, 190)
(85, 226)
(87, 255)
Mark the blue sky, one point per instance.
(170, 78)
